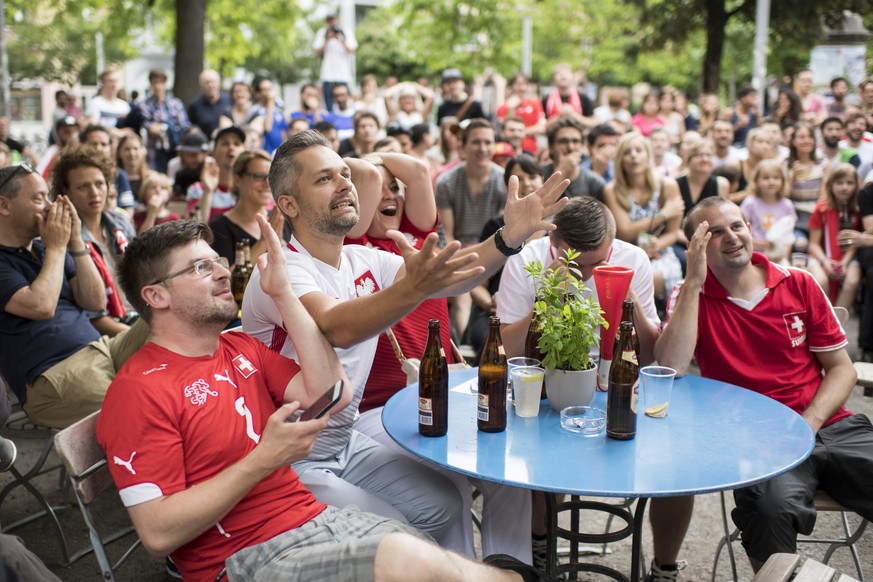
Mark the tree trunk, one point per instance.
(716, 21)
(190, 51)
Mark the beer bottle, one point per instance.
(492, 382)
(531, 347)
(624, 380)
(239, 276)
(433, 385)
(247, 252)
(627, 314)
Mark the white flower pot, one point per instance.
(573, 388)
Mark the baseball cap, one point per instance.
(232, 129)
(194, 143)
(66, 121)
(451, 74)
(502, 148)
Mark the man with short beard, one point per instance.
(832, 132)
(353, 293)
(722, 134)
(860, 141)
(839, 90)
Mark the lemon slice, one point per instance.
(659, 411)
(530, 378)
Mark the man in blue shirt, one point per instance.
(51, 356)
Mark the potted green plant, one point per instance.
(568, 321)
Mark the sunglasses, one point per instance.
(22, 167)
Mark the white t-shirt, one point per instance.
(108, 111)
(336, 59)
(516, 296)
(733, 157)
(362, 271)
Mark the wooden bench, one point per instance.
(780, 568)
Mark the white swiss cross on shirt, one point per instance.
(796, 328)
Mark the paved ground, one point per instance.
(698, 549)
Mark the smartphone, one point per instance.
(325, 402)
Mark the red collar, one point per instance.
(775, 275)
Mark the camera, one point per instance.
(336, 29)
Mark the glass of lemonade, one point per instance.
(527, 382)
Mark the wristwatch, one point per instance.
(503, 247)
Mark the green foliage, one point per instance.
(57, 40)
(568, 322)
(260, 35)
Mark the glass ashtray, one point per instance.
(585, 420)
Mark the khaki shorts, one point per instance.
(74, 387)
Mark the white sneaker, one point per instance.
(666, 573)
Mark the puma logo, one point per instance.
(126, 464)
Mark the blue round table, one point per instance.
(717, 437)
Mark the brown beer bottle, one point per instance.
(531, 348)
(492, 382)
(627, 314)
(239, 276)
(624, 380)
(433, 385)
(247, 253)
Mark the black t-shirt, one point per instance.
(14, 145)
(865, 200)
(185, 177)
(709, 190)
(29, 347)
(451, 108)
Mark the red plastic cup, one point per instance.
(612, 282)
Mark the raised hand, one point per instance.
(274, 270)
(55, 227)
(696, 254)
(430, 269)
(75, 242)
(524, 216)
(209, 175)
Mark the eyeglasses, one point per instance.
(256, 176)
(23, 166)
(201, 268)
(568, 140)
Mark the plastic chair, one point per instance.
(89, 476)
(823, 503)
(17, 429)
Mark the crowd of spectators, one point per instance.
(446, 169)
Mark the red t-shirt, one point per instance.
(531, 112)
(828, 220)
(386, 376)
(170, 422)
(771, 348)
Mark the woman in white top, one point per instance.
(371, 101)
(408, 104)
(647, 210)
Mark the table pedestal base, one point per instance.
(633, 527)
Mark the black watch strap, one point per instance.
(503, 247)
